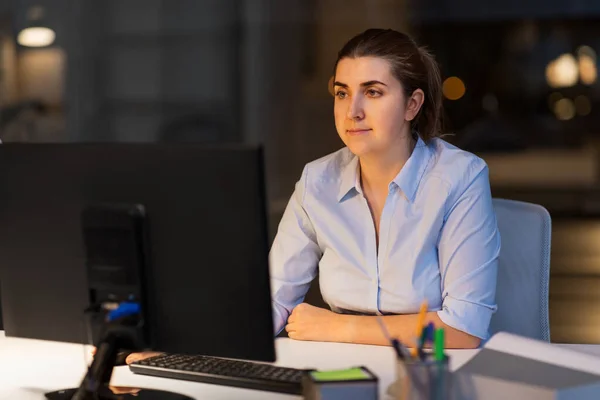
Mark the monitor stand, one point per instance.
(121, 393)
(96, 383)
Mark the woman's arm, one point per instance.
(468, 250)
(293, 258)
(366, 330)
(312, 323)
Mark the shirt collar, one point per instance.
(410, 175)
(407, 179)
(350, 178)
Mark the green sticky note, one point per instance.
(351, 374)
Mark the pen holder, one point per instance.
(423, 380)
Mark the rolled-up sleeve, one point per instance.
(468, 249)
(293, 258)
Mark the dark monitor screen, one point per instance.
(207, 235)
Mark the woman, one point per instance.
(396, 217)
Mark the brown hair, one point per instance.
(412, 65)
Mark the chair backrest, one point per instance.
(523, 269)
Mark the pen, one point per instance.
(428, 335)
(439, 345)
(430, 332)
(395, 342)
(439, 357)
(419, 329)
(422, 340)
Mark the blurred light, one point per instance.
(553, 98)
(583, 106)
(36, 37)
(587, 69)
(36, 34)
(562, 72)
(453, 88)
(564, 109)
(586, 51)
(490, 103)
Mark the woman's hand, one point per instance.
(318, 324)
(133, 357)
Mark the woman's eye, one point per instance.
(373, 93)
(340, 95)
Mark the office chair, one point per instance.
(523, 269)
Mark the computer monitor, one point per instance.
(207, 234)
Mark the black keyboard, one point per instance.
(221, 371)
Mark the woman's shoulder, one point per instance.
(453, 164)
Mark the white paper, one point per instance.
(544, 352)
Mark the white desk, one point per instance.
(30, 368)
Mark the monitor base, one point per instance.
(119, 393)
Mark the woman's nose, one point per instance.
(355, 110)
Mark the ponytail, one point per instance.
(429, 122)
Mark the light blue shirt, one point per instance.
(438, 240)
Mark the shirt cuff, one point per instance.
(467, 317)
(280, 316)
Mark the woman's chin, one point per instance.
(359, 149)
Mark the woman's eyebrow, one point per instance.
(371, 83)
(364, 84)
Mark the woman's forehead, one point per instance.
(354, 71)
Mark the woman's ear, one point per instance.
(414, 104)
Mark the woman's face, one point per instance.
(372, 114)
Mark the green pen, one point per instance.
(439, 345)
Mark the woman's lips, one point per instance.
(356, 132)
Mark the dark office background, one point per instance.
(520, 77)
